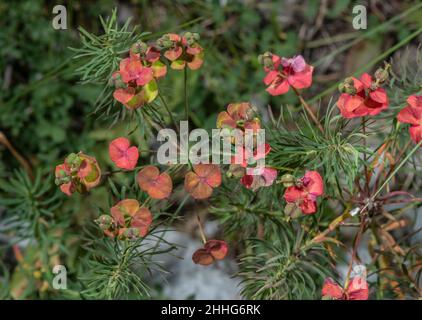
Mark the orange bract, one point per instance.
(129, 209)
(158, 186)
(79, 172)
(203, 180)
(212, 250)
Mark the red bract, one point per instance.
(283, 73)
(135, 83)
(238, 115)
(63, 173)
(133, 70)
(415, 101)
(203, 180)
(129, 220)
(134, 97)
(158, 186)
(122, 154)
(250, 157)
(149, 57)
(366, 98)
(212, 250)
(183, 50)
(263, 178)
(79, 172)
(413, 114)
(357, 290)
(305, 192)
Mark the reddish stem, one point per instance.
(308, 110)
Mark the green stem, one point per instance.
(186, 93)
(308, 110)
(168, 111)
(201, 229)
(364, 155)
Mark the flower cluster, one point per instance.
(283, 73)
(182, 50)
(355, 289)
(242, 116)
(136, 85)
(128, 220)
(238, 116)
(412, 114)
(301, 194)
(136, 80)
(362, 97)
(78, 173)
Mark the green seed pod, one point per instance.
(190, 38)
(236, 170)
(349, 81)
(266, 60)
(164, 42)
(71, 158)
(350, 90)
(381, 75)
(139, 47)
(104, 222)
(167, 43)
(288, 180)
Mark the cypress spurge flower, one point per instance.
(128, 220)
(356, 290)
(201, 182)
(238, 115)
(182, 51)
(211, 251)
(135, 81)
(304, 193)
(78, 173)
(261, 177)
(362, 97)
(157, 185)
(122, 154)
(285, 72)
(412, 114)
(150, 57)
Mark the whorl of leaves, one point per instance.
(284, 265)
(334, 152)
(100, 56)
(30, 205)
(242, 209)
(118, 269)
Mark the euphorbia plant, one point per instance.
(319, 176)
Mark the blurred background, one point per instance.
(45, 113)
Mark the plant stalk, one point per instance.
(308, 110)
